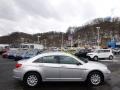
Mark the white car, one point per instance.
(101, 53)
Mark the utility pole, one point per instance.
(71, 35)
(98, 39)
(78, 40)
(112, 13)
(45, 43)
(38, 39)
(62, 42)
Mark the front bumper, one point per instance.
(18, 58)
(11, 57)
(107, 75)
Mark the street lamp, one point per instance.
(78, 40)
(45, 43)
(112, 13)
(98, 39)
(38, 39)
(71, 37)
(62, 42)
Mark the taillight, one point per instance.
(18, 65)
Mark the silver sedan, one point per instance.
(60, 66)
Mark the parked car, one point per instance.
(82, 53)
(5, 55)
(54, 49)
(20, 55)
(3, 48)
(32, 53)
(26, 54)
(116, 51)
(12, 54)
(101, 53)
(59, 66)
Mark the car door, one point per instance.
(106, 53)
(100, 54)
(69, 70)
(50, 68)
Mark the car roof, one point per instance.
(52, 53)
(55, 53)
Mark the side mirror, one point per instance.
(78, 64)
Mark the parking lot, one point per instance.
(8, 83)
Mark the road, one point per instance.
(8, 83)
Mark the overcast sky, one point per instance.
(36, 16)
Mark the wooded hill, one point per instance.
(86, 33)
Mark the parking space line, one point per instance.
(110, 60)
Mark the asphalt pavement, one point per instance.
(7, 82)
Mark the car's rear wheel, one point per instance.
(32, 79)
(110, 57)
(95, 58)
(95, 78)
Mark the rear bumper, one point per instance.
(17, 74)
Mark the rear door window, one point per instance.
(47, 59)
(67, 60)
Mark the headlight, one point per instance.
(107, 70)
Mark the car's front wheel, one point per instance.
(32, 79)
(95, 78)
(95, 58)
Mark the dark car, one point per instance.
(27, 54)
(20, 54)
(82, 53)
(12, 54)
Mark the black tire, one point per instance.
(95, 58)
(98, 81)
(32, 76)
(110, 57)
(16, 60)
(118, 53)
